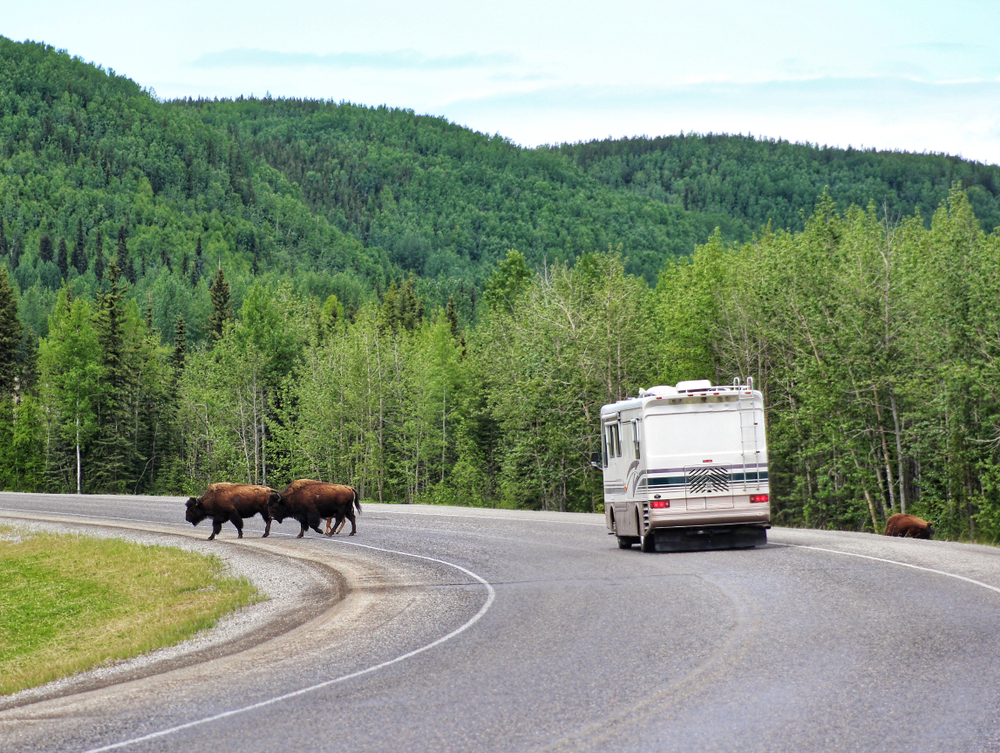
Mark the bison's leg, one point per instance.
(329, 527)
(216, 528)
(237, 521)
(312, 521)
(343, 522)
(267, 526)
(354, 526)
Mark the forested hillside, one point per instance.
(261, 290)
(761, 181)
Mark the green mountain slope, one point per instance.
(446, 201)
(90, 160)
(757, 181)
(343, 199)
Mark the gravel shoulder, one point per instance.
(295, 590)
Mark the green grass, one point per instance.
(70, 602)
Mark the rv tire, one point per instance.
(625, 542)
(648, 544)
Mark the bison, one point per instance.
(908, 525)
(232, 502)
(309, 501)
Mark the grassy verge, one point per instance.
(69, 602)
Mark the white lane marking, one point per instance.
(429, 513)
(895, 562)
(277, 699)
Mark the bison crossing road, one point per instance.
(309, 501)
(232, 502)
(305, 500)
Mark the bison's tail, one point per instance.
(357, 499)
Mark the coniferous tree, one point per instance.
(199, 264)
(222, 310)
(111, 444)
(179, 353)
(78, 260)
(125, 265)
(10, 335)
(45, 248)
(4, 244)
(98, 265)
(451, 314)
(62, 259)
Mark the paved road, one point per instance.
(468, 630)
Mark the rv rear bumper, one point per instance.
(691, 538)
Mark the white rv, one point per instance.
(685, 467)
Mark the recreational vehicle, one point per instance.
(685, 467)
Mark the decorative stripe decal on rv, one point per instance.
(679, 480)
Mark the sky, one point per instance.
(914, 76)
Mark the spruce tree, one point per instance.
(125, 265)
(79, 258)
(199, 264)
(45, 248)
(98, 265)
(179, 355)
(111, 444)
(62, 259)
(4, 244)
(221, 306)
(451, 314)
(10, 335)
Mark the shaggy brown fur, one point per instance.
(232, 502)
(908, 525)
(309, 501)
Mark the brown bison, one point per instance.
(908, 525)
(309, 501)
(232, 502)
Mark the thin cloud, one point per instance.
(823, 92)
(943, 47)
(389, 60)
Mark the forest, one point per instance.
(260, 290)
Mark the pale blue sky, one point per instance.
(919, 76)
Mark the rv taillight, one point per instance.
(659, 504)
(758, 498)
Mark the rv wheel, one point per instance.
(625, 542)
(648, 545)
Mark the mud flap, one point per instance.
(708, 537)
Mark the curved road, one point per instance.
(461, 629)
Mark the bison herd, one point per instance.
(305, 500)
(309, 502)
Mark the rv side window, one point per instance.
(635, 438)
(617, 437)
(611, 435)
(604, 449)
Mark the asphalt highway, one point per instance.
(455, 629)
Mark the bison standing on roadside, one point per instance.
(908, 525)
(232, 502)
(309, 501)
